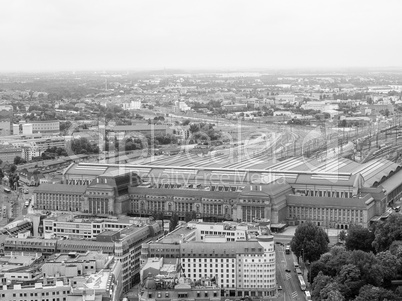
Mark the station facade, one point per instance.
(335, 194)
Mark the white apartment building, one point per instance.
(244, 266)
(56, 292)
(319, 106)
(132, 105)
(232, 231)
(81, 228)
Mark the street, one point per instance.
(288, 281)
(12, 204)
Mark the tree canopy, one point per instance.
(309, 241)
(359, 238)
(387, 232)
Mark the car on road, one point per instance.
(279, 288)
(287, 270)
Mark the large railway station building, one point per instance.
(337, 193)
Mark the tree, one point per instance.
(350, 278)
(390, 265)
(13, 168)
(83, 146)
(194, 128)
(369, 266)
(396, 247)
(158, 215)
(1, 162)
(387, 232)
(319, 283)
(359, 238)
(373, 293)
(186, 122)
(309, 241)
(342, 235)
(190, 216)
(331, 292)
(174, 220)
(18, 160)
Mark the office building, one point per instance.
(46, 127)
(243, 267)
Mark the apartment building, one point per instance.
(47, 126)
(240, 268)
(84, 226)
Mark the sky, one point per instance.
(61, 35)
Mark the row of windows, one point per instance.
(324, 193)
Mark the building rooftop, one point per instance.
(78, 257)
(221, 171)
(61, 188)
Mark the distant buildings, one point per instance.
(321, 106)
(235, 107)
(376, 109)
(182, 106)
(132, 105)
(8, 153)
(144, 129)
(6, 118)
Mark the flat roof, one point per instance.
(61, 188)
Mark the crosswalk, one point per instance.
(294, 295)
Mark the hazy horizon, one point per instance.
(48, 36)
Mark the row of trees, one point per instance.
(83, 146)
(360, 270)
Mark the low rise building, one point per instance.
(47, 126)
(8, 154)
